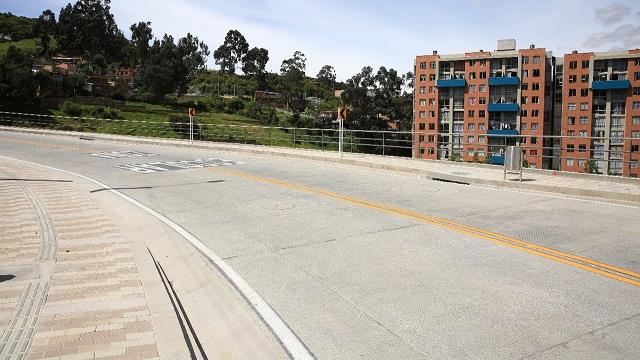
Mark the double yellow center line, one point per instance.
(610, 271)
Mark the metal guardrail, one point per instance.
(450, 146)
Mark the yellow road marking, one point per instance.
(610, 271)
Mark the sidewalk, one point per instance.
(587, 185)
(73, 285)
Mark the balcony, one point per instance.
(502, 132)
(501, 81)
(611, 85)
(503, 107)
(451, 83)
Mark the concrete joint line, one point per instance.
(290, 342)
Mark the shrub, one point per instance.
(71, 109)
(108, 113)
(234, 105)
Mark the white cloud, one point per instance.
(627, 35)
(613, 13)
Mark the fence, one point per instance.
(609, 155)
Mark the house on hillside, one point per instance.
(269, 98)
(4, 38)
(127, 75)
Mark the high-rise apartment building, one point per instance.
(470, 105)
(601, 113)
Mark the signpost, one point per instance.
(342, 116)
(192, 114)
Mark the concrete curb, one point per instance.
(349, 160)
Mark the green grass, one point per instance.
(26, 44)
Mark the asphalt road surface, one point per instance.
(366, 264)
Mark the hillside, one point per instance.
(18, 27)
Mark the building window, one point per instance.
(483, 75)
(636, 76)
(584, 92)
(472, 75)
(535, 113)
(423, 77)
(533, 152)
(422, 115)
(572, 106)
(572, 92)
(525, 100)
(432, 65)
(570, 148)
(572, 79)
(636, 91)
(582, 148)
(571, 133)
(525, 73)
(637, 62)
(432, 90)
(472, 88)
(471, 139)
(636, 105)
(483, 88)
(536, 59)
(571, 120)
(584, 106)
(535, 86)
(534, 126)
(421, 138)
(535, 100)
(432, 114)
(471, 127)
(581, 163)
(481, 127)
(584, 120)
(583, 133)
(482, 100)
(573, 65)
(432, 77)
(483, 62)
(569, 162)
(523, 113)
(635, 120)
(585, 64)
(525, 86)
(472, 113)
(523, 126)
(584, 78)
(481, 139)
(481, 113)
(471, 101)
(635, 134)
(422, 89)
(430, 151)
(423, 102)
(423, 65)
(431, 138)
(525, 59)
(432, 126)
(421, 126)
(635, 148)
(432, 101)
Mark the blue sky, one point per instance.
(353, 34)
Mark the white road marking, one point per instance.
(159, 166)
(289, 340)
(120, 154)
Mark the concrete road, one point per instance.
(379, 265)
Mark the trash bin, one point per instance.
(513, 161)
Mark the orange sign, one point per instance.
(192, 112)
(342, 113)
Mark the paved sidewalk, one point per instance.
(587, 185)
(73, 285)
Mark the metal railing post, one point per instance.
(269, 136)
(383, 143)
(245, 135)
(294, 138)
(322, 139)
(351, 141)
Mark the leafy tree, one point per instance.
(231, 52)
(17, 83)
(294, 68)
(327, 76)
(255, 61)
(141, 35)
(88, 28)
(44, 28)
(18, 27)
(170, 66)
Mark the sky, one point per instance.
(351, 34)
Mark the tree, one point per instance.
(141, 35)
(17, 84)
(255, 61)
(44, 28)
(327, 76)
(232, 51)
(88, 28)
(294, 68)
(170, 66)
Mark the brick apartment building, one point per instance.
(468, 103)
(601, 103)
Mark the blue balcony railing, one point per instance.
(502, 132)
(508, 107)
(499, 81)
(611, 85)
(449, 83)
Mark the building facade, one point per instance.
(601, 113)
(469, 106)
